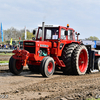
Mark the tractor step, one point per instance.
(94, 71)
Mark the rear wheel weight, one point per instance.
(80, 60)
(47, 67)
(15, 66)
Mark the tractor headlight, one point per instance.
(40, 51)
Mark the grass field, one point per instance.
(4, 61)
(6, 53)
(93, 99)
(3, 54)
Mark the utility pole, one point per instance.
(25, 34)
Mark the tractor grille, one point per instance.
(29, 43)
(30, 49)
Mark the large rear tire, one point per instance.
(80, 60)
(47, 67)
(15, 66)
(67, 58)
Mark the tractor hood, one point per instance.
(44, 44)
(34, 46)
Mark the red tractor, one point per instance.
(55, 47)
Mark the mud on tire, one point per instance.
(67, 58)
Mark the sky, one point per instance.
(81, 15)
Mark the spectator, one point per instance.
(3, 46)
(6, 46)
(0, 46)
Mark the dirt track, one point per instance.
(4, 57)
(31, 86)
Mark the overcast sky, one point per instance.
(82, 15)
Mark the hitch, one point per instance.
(22, 55)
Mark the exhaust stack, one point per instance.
(42, 31)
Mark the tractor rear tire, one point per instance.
(67, 58)
(80, 60)
(15, 66)
(47, 67)
(34, 68)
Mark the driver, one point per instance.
(55, 36)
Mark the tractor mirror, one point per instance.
(78, 33)
(66, 32)
(34, 31)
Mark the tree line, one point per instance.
(15, 34)
(92, 38)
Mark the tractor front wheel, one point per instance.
(47, 67)
(15, 66)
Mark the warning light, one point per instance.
(67, 25)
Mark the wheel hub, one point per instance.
(18, 64)
(83, 60)
(50, 67)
